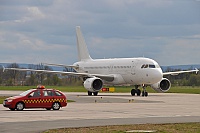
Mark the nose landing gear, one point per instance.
(144, 92)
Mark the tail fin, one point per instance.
(83, 54)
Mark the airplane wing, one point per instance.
(178, 72)
(104, 77)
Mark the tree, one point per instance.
(192, 80)
(12, 74)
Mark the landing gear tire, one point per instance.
(138, 92)
(133, 91)
(144, 93)
(89, 93)
(95, 93)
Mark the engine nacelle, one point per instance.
(162, 86)
(93, 84)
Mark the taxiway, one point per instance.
(104, 109)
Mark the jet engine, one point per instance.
(93, 84)
(162, 86)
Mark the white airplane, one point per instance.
(118, 71)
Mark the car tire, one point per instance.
(56, 106)
(19, 106)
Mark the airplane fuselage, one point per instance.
(130, 71)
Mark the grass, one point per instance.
(61, 88)
(174, 89)
(157, 128)
(185, 89)
(2, 99)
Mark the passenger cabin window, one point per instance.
(48, 93)
(35, 93)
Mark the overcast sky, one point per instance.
(35, 31)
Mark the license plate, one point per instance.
(4, 103)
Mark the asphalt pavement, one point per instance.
(104, 109)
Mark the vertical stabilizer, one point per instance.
(83, 54)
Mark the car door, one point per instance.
(33, 99)
(47, 98)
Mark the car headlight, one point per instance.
(10, 100)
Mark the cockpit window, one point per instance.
(152, 66)
(148, 66)
(157, 66)
(145, 66)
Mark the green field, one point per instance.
(174, 89)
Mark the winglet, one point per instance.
(4, 68)
(197, 70)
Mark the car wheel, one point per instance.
(20, 106)
(56, 106)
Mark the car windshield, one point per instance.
(26, 92)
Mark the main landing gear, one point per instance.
(90, 93)
(137, 91)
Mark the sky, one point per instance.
(167, 31)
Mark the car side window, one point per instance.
(58, 93)
(35, 93)
(48, 93)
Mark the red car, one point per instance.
(37, 98)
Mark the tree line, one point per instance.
(184, 79)
(10, 78)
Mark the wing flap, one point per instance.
(60, 65)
